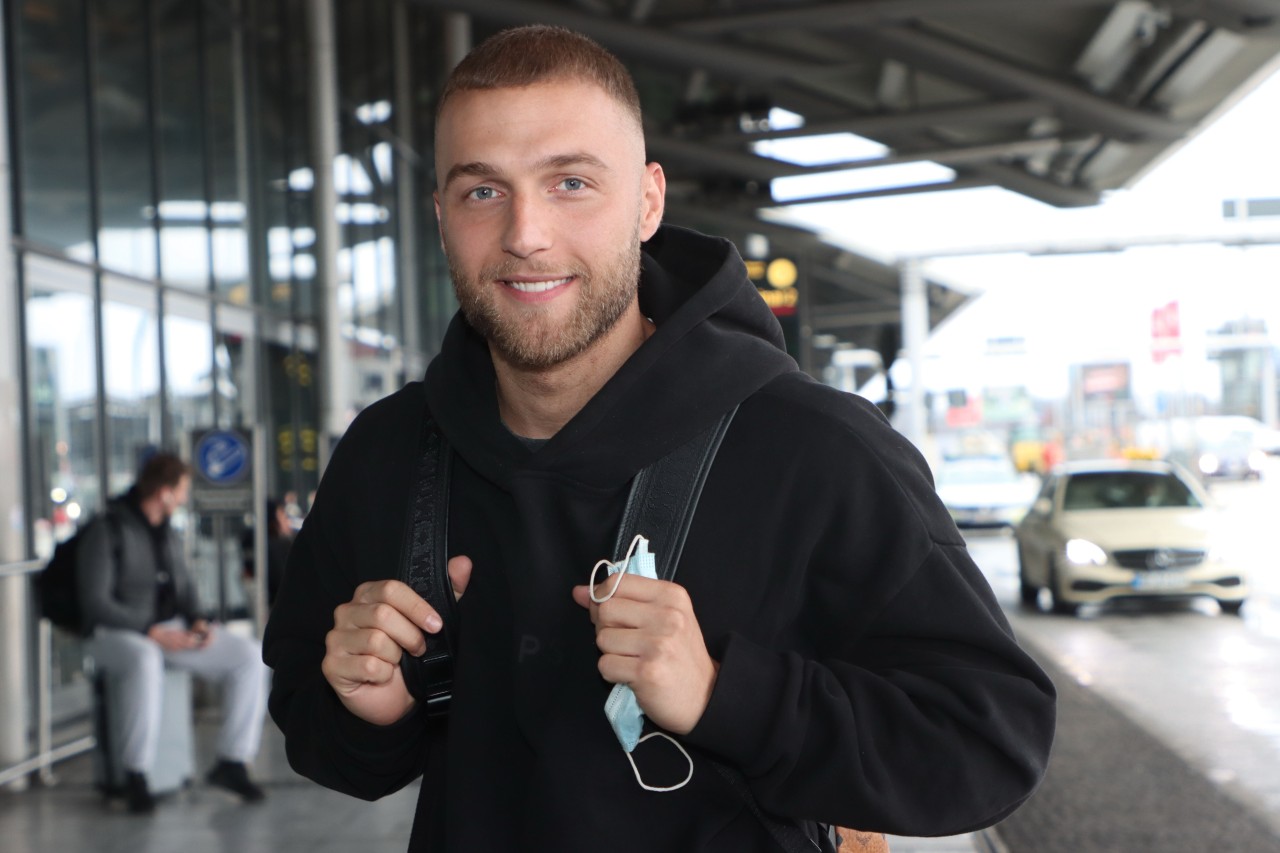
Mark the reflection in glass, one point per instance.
(52, 154)
(126, 236)
(131, 350)
(188, 362)
(60, 357)
(184, 212)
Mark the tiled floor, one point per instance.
(297, 817)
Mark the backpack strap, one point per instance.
(664, 496)
(424, 567)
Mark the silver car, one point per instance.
(1111, 529)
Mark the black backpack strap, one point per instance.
(664, 496)
(424, 567)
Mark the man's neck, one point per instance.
(538, 403)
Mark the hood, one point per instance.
(716, 343)
(1123, 529)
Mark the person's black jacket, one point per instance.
(867, 676)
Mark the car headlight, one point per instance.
(1082, 552)
(1209, 463)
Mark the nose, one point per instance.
(528, 229)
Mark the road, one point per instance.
(1206, 684)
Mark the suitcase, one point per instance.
(175, 757)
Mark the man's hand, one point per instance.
(649, 639)
(173, 639)
(383, 620)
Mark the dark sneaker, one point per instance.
(137, 795)
(233, 776)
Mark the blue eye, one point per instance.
(573, 184)
(483, 193)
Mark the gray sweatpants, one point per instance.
(138, 663)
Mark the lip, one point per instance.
(532, 289)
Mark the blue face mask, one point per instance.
(621, 708)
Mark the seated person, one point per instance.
(139, 601)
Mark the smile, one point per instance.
(537, 286)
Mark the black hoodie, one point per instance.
(867, 676)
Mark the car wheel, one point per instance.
(1231, 608)
(1058, 604)
(1028, 593)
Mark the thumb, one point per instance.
(459, 575)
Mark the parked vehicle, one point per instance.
(1112, 529)
(985, 491)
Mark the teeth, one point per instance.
(537, 286)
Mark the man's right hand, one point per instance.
(382, 621)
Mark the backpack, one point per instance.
(57, 595)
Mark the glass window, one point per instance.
(53, 155)
(131, 366)
(63, 410)
(126, 235)
(183, 211)
(188, 364)
(233, 356)
(224, 97)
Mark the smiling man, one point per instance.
(829, 655)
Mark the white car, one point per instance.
(1112, 529)
(985, 491)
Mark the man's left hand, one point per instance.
(649, 638)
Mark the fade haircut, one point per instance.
(539, 53)
(161, 470)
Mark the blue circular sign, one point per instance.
(222, 457)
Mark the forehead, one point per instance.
(527, 122)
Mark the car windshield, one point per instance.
(1127, 490)
(976, 470)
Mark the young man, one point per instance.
(139, 599)
(827, 639)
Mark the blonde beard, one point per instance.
(537, 343)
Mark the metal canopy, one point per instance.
(1058, 100)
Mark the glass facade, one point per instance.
(161, 267)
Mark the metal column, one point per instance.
(335, 395)
(915, 331)
(15, 652)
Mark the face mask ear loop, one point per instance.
(626, 559)
(653, 788)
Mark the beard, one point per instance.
(531, 338)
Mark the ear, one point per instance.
(653, 199)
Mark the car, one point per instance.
(1105, 530)
(985, 491)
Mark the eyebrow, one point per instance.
(480, 169)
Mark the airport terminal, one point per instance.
(219, 240)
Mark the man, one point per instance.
(139, 599)
(829, 638)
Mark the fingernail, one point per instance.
(434, 623)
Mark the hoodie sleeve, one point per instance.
(351, 535)
(894, 696)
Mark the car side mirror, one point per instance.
(1042, 506)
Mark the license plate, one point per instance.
(1161, 580)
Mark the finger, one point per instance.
(355, 670)
(625, 642)
(402, 597)
(383, 617)
(624, 613)
(459, 575)
(619, 669)
(364, 643)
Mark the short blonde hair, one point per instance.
(539, 53)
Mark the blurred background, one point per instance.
(1044, 237)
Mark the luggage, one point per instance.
(175, 757)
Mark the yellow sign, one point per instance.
(776, 299)
(781, 273)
